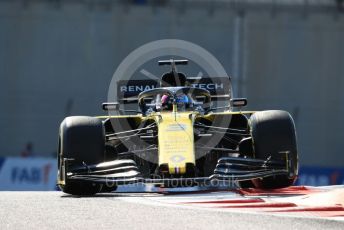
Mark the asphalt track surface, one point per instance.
(55, 210)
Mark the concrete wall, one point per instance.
(58, 60)
(296, 64)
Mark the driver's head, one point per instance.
(165, 99)
(166, 102)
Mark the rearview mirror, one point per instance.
(114, 106)
(238, 102)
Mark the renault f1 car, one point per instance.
(178, 136)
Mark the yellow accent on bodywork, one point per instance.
(176, 141)
(61, 182)
(176, 135)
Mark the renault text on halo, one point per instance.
(141, 88)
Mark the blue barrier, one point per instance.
(2, 160)
(320, 176)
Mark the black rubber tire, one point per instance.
(82, 139)
(273, 131)
(246, 184)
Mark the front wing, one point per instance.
(228, 169)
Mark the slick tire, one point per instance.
(273, 132)
(82, 139)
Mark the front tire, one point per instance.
(82, 139)
(274, 132)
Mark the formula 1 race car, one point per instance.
(179, 135)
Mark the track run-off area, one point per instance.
(297, 207)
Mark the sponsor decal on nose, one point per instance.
(177, 158)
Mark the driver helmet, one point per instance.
(165, 99)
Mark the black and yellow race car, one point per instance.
(178, 136)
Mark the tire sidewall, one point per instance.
(273, 132)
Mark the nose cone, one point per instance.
(176, 142)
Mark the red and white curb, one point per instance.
(301, 201)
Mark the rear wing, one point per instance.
(219, 88)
